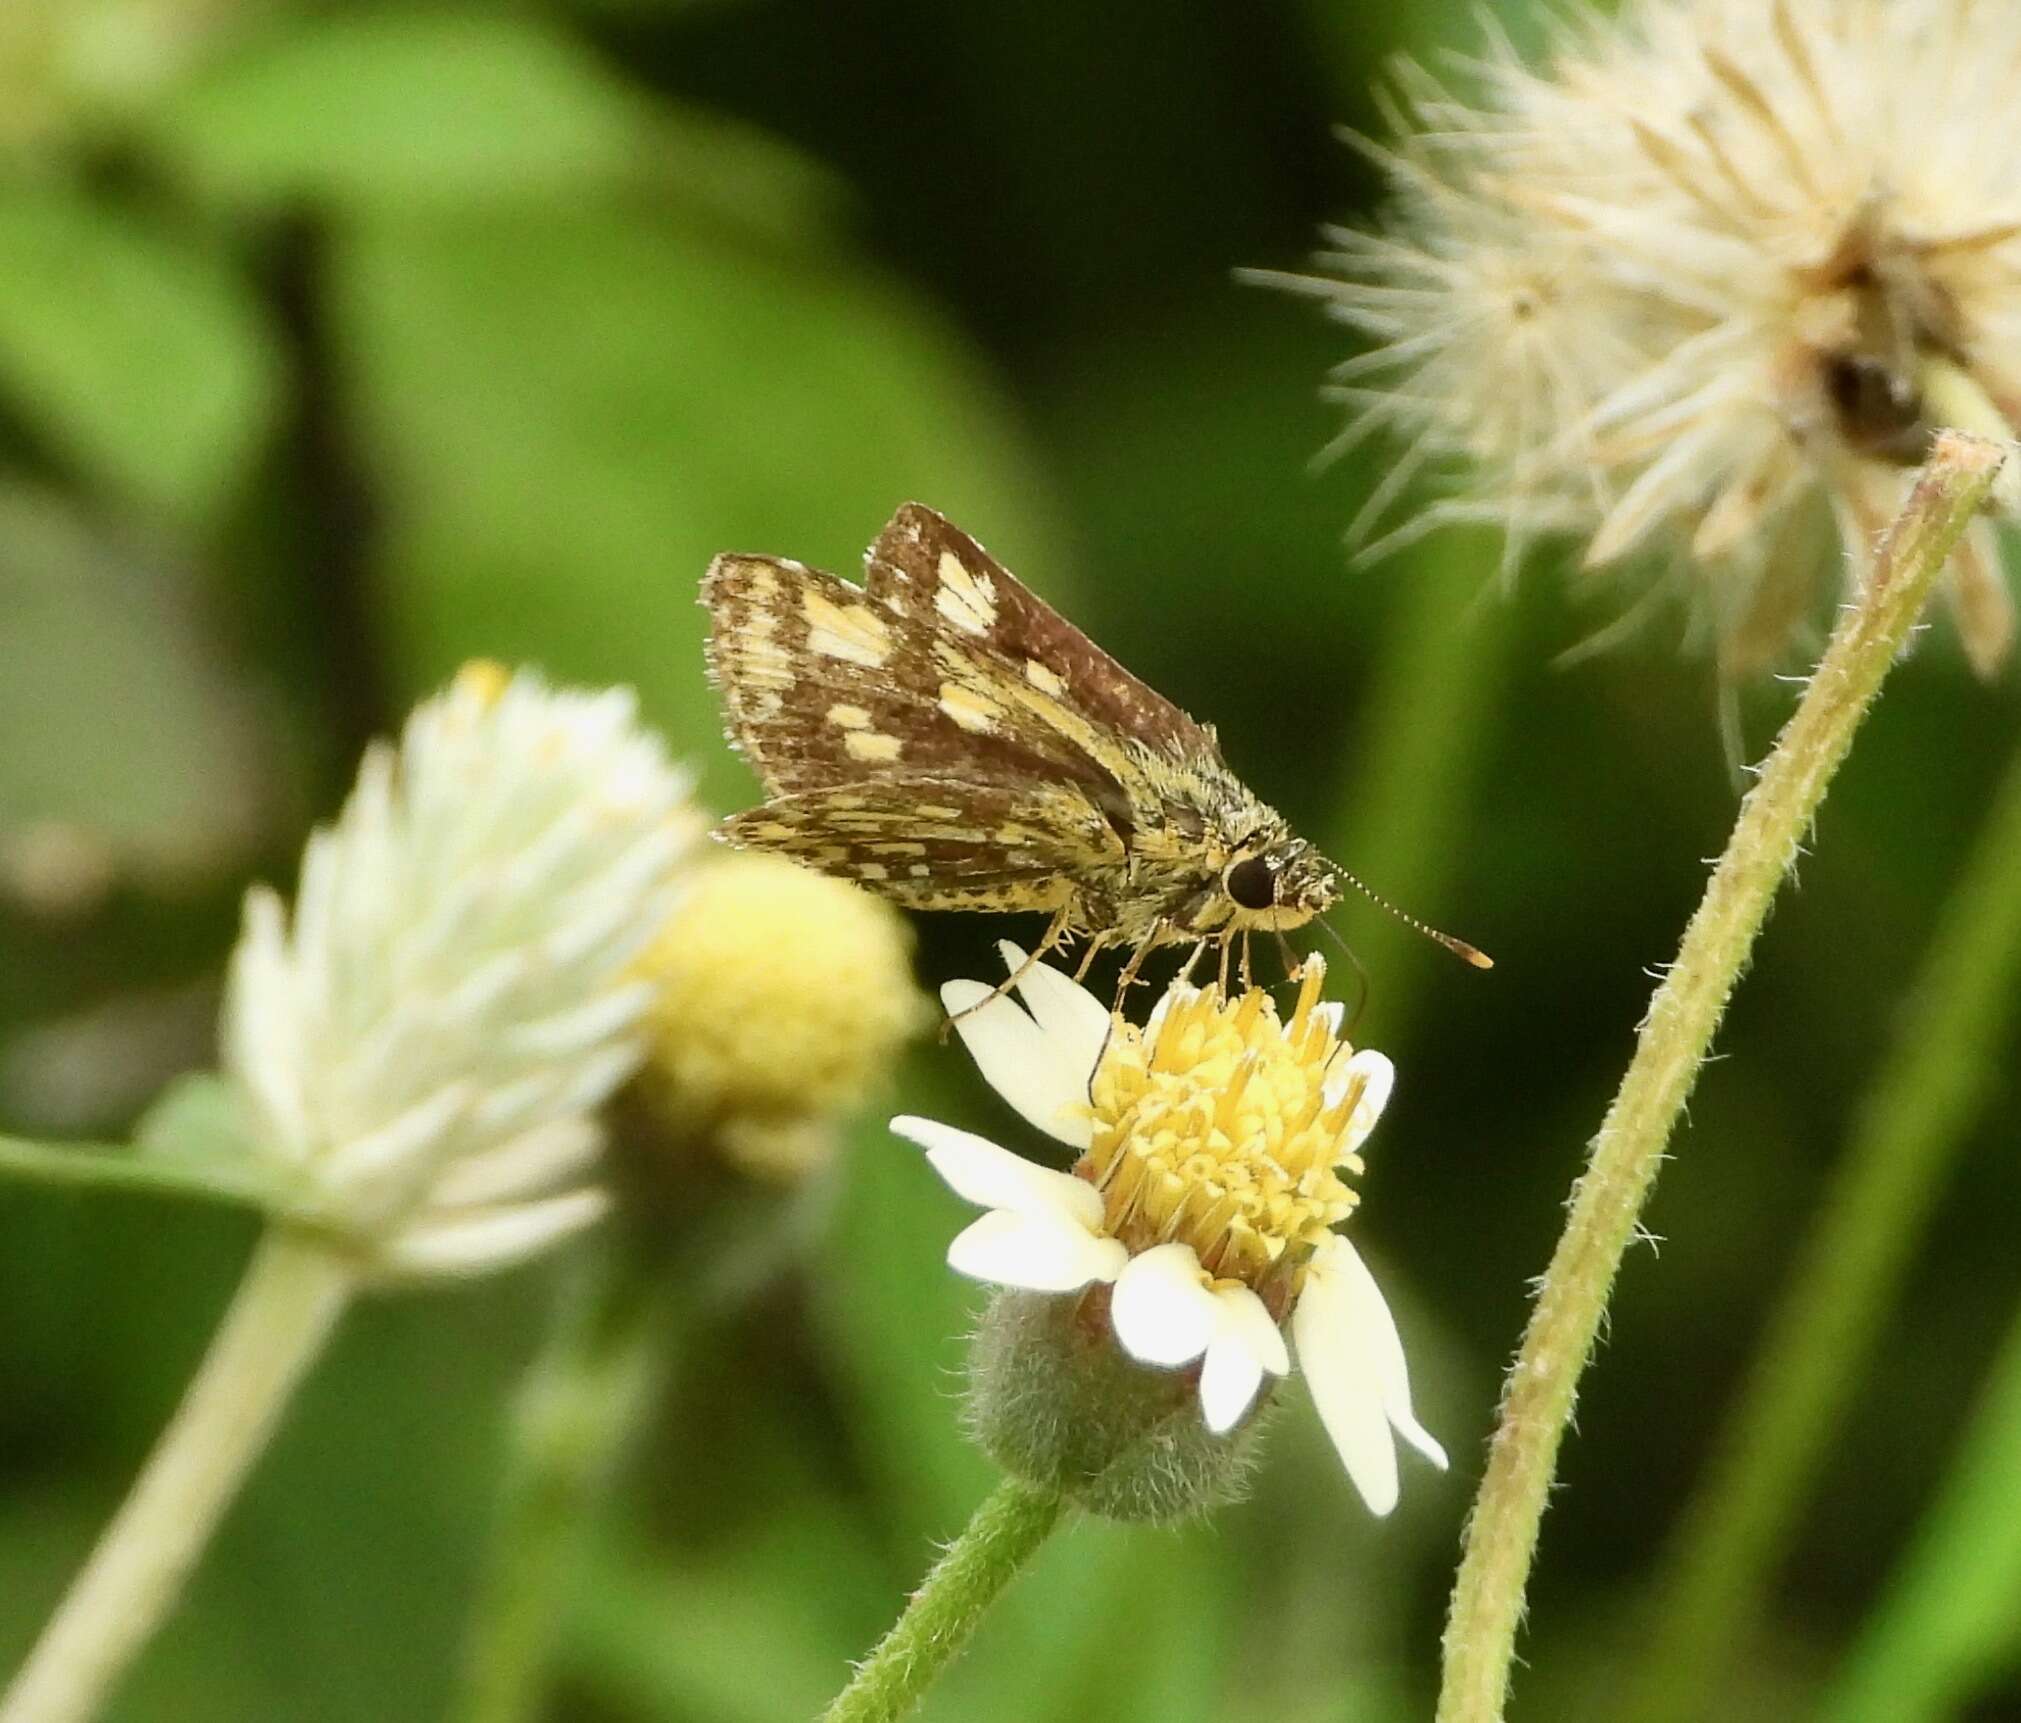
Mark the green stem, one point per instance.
(106, 1166)
(1007, 1530)
(581, 1402)
(284, 1311)
(1906, 1135)
(1607, 1201)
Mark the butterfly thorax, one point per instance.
(1206, 860)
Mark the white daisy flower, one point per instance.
(1705, 284)
(423, 1047)
(1212, 1144)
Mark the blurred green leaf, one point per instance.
(127, 747)
(570, 413)
(394, 104)
(446, 109)
(195, 1119)
(1053, 1639)
(135, 351)
(894, 1317)
(1949, 1622)
(760, 1631)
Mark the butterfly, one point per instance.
(946, 738)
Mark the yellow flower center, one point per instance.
(782, 996)
(1216, 1131)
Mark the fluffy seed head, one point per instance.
(1704, 284)
(423, 1046)
(781, 997)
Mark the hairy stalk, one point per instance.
(1906, 1135)
(1006, 1532)
(581, 1402)
(1606, 1203)
(283, 1312)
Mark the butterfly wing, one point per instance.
(925, 567)
(827, 684)
(935, 843)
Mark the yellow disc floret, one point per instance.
(1225, 1128)
(783, 996)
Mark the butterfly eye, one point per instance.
(1252, 883)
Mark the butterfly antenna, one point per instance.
(1458, 947)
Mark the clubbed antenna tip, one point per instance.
(1458, 947)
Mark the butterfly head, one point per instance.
(1277, 884)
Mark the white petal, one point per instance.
(523, 1166)
(1377, 1077)
(1077, 1021)
(990, 1176)
(1162, 1311)
(1228, 1382)
(1337, 1363)
(1023, 1064)
(1330, 1012)
(1041, 1253)
(492, 1238)
(1246, 1343)
(1241, 1313)
(1368, 1313)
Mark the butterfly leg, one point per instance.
(1055, 935)
(1128, 979)
(1095, 944)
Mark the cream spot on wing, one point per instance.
(932, 811)
(772, 831)
(919, 870)
(852, 632)
(766, 706)
(1043, 679)
(758, 659)
(966, 599)
(897, 847)
(872, 745)
(971, 711)
(848, 717)
(872, 870)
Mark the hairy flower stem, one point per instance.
(1006, 1532)
(1949, 1047)
(283, 1312)
(607, 1356)
(1606, 1203)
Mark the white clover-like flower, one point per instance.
(1212, 1146)
(1704, 284)
(422, 1049)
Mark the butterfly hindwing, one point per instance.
(935, 843)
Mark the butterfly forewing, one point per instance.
(825, 683)
(927, 569)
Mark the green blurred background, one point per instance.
(341, 344)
